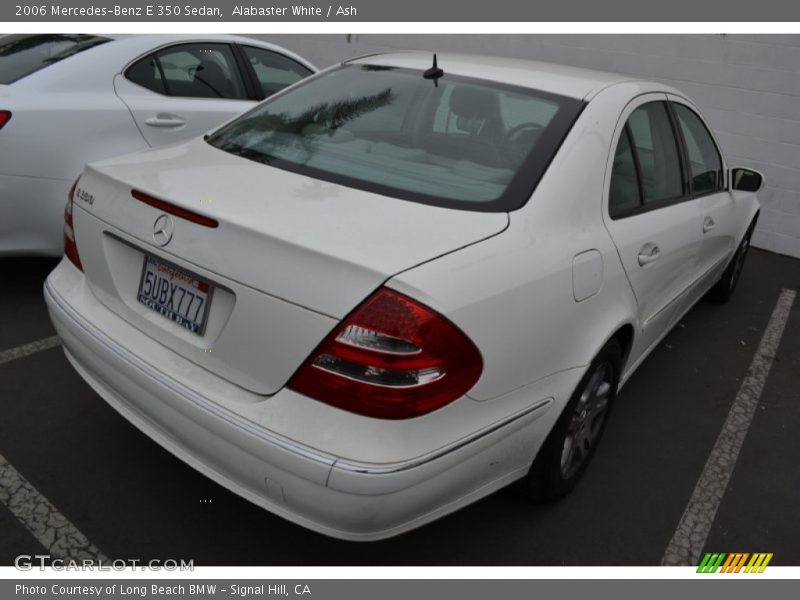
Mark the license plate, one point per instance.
(177, 294)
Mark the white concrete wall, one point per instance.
(748, 86)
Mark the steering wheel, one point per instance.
(512, 150)
(517, 130)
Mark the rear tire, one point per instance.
(571, 444)
(724, 288)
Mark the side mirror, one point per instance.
(746, 180)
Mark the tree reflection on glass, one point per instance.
(258, 136)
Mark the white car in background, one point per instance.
(66, 100)
(397, 287)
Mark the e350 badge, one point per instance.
(84, 196)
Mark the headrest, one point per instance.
(209, 69)
(471, 102)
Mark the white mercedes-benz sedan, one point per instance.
(398, 286)
(66, 100)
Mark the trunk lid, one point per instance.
(290, 258)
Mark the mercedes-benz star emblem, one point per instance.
(163, 229)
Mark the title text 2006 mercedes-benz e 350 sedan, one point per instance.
(394, 288)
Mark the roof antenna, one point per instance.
(434, 72)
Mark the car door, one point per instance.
(183, 90)
(708, 187)
(649, 215)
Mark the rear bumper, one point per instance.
(302, 482)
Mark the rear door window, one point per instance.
(624, 195)
(647, 171)
(147, 73)
(190, 71)
(657, 151)
(22, 55)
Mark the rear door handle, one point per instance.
(649, 253)
(164, 121)
(708, 224)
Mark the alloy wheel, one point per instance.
(586, 422)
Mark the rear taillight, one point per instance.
(391, 358)
(70, 247)
(5, 117)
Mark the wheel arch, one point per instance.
(624, 336)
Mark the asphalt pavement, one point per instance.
(134, 500)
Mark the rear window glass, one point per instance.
(21, 55)
(456, 142)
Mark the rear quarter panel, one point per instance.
(53, 135)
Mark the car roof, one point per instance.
(547, 77)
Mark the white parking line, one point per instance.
(28, 349)
(690, 536)
(52, 529)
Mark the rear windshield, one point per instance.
(21, 55)
(455, 142)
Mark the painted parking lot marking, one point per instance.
(50, 528)
(28, 349)
(687, 543)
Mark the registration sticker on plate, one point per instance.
(174, 293)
